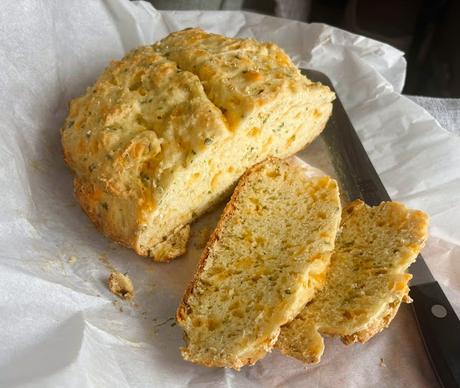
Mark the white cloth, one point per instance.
(445, 110)
(60, 326)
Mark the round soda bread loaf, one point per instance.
(366, 281)
(167, 131)
(264, 261)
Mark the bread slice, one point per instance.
(366, 281)
(166, 132)
(263, 262)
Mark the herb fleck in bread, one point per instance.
(167, 131)
(366, 280)
(267, 255)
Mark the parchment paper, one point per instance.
(59, 324)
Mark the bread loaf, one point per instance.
(266, 257)
(366, 282)
(167, 131)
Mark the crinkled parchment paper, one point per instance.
(59, 324)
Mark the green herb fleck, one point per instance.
(105, 206)
(71, 123)
(288, 291)
(207, 141)
(193, 152)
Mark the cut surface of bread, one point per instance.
(366, 280)
(166, 132)
(267, 255)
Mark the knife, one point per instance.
(438, 324)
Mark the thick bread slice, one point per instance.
(366, 281)
(267, 255)
(159, 139)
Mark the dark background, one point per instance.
(427, 31)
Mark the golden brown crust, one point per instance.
(173, 246)
(374, 328)
(84, 192)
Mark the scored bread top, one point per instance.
(142, 118)
(263, 262)
(366, 280)
(238, 75)
(167, 131)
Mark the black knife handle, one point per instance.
(440, 329)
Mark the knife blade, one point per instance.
(438, 324)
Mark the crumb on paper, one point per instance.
(103, 258)
(72, 259)
(38, 165)
(121, 285)
(382, 363)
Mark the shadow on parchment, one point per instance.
(57, 350)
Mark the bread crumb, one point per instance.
(72, 259)
(121, 285)
(382, 363)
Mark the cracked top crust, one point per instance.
(143, 117)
